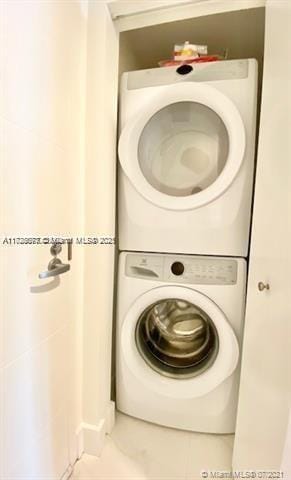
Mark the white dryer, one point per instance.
(186, 152)
(179, 333)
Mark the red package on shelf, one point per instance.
(201, 59)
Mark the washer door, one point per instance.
(185, 149)
(178, 342)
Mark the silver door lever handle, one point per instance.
(55, 267)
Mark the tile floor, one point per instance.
(138, 450)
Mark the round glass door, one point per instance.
(176, 338)
(183, 149)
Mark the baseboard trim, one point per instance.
(79, 442)
(66, 475)
(94, 437)
(91, 438)
(110, 417)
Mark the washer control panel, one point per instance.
(184, 269)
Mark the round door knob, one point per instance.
(263, 286)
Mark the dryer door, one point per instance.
(185, 149)
(179, 342)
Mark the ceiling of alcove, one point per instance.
(242, 32)
(130, 7)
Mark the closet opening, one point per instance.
(177, 187)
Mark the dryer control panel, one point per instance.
(182, 269)
(200, 72)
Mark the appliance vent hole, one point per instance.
(184, 69)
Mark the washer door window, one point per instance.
(185, 148)
(178, 341)
(177, 338)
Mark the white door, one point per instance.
(42, 94)
(266, 372)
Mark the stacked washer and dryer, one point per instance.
(186, 154)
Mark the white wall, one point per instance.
(101, 117)
(42, 63)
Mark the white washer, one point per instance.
(186, 151)
(179, 334)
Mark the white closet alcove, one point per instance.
(138, 39)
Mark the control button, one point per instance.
(177, 268)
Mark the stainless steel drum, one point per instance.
(176, 338)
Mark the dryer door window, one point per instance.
(177, 338)
(183, 149)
